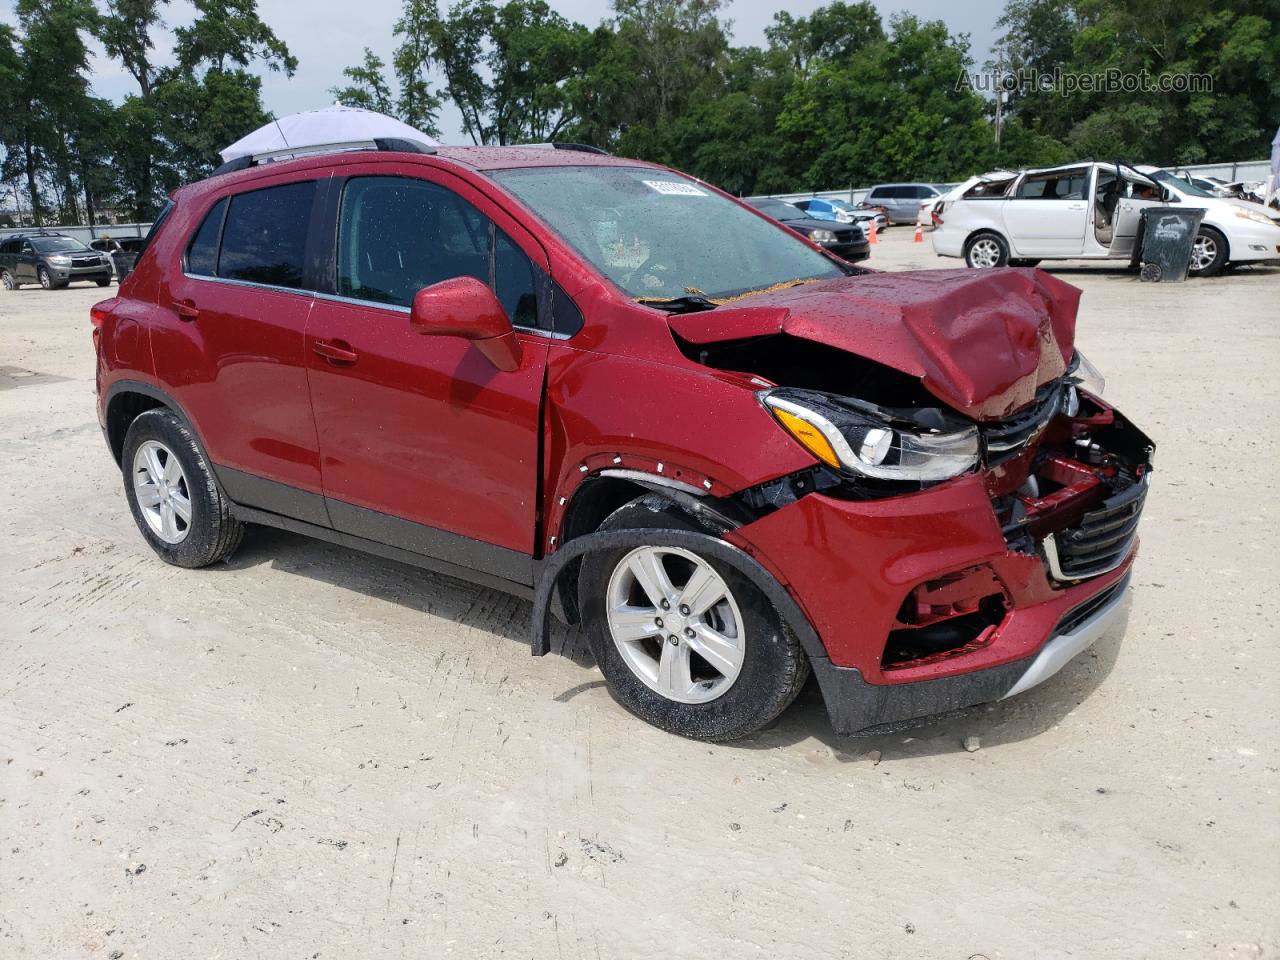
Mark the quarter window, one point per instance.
(265, 237)
(202, 255)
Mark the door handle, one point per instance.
(337, 352)
(186, 310)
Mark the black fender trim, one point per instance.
(155, 393)
(853, 705)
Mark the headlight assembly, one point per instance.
(1255, 216)
(861, 440)
(822, 236)
(1084, 374)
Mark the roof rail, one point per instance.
(580, 147)
(382, 144)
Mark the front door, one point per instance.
(425, 445)
(1136, 195)
(1048, 212)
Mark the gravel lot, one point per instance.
(309, 752)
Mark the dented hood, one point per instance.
(981, 341)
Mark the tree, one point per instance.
(510, 69)
(230, 31)
(368, 88)
(417, 105)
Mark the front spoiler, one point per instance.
(853, 705)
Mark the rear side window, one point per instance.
(1058, 185)
(264, 239)
(202, 255)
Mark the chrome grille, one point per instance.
(1103, 538)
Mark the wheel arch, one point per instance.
(127, 400)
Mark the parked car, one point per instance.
(901, 201)
(846, 241)
(734, 457)
(122, 252)
(51, 260)
(1090, 211)
(824, 208)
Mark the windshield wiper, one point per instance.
(691, 303)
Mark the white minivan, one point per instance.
(1090, 211)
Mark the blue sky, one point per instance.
(326, 36)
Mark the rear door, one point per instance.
(233, 353)
(27, 271)
(426, 446)
(1048, 213)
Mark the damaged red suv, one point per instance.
(594, 382)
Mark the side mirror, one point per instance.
(1168, 196)
(465, 307)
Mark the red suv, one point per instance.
(616, 390)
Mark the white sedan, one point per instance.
(1091, 211)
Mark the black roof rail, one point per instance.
(581, 148)
(381, 144)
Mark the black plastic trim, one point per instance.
(435, 564)
(251, 490)
(464, 553)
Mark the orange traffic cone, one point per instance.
(871, 237)
(919, 237)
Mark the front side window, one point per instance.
(659, 235)
(265, 236)
(397, 235)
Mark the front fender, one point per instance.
(691, 426)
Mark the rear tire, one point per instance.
(762, 669)
(986, 250)
(7, 281)
(160, 443)
(1208, 253)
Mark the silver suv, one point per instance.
(901, 201)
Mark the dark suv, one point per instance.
(51, 260)
(613, 389)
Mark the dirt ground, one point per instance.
(309, 752)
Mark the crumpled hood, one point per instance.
(981, 341)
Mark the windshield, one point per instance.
(659, 235)
(1180, 185)
(57, 245)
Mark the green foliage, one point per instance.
(368, 88)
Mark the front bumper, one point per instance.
(879, 580)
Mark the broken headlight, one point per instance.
(860, 438)
(1082, 373)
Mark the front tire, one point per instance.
(1208, 253)
(7, 281)
(103, 283)
(985, 250)
(175, 500)
(46, 281)
(1023, 262)
(685, 642)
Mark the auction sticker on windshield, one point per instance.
(674, 189)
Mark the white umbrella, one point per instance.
(329, 126)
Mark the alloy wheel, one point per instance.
(1203, 252)
(44, 279)
(6, 280)
(676, 623)
(984, 253)
(160, 487)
